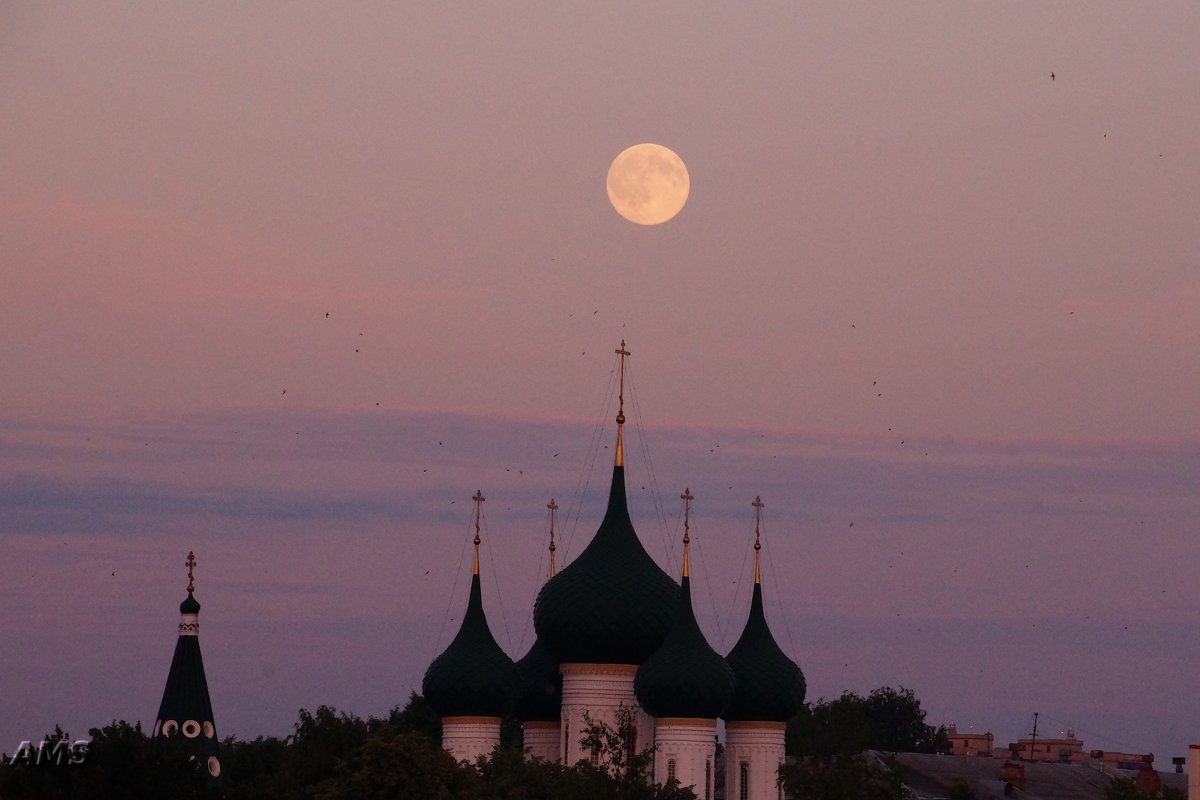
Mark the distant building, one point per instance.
(1070, 750)
(938, 777)
(969, 743)
(1193, 772)
(1064, 749)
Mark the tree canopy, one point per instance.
(333, 755)
(887, 719)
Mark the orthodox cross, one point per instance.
(190, 564)
(758, 507)
(687, 499)
(478, 498)
(553, 506)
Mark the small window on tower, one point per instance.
(670, 769)
(744, 781)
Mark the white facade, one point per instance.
(599, 692)
(543, 740)
(686, 750)
(753, 754)
(467, 738)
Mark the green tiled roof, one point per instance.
(539, 685)
(770, 687)
(473, 676)
(612, 604)
(684, 677)
(190, 605)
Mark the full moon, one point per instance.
(648, 184)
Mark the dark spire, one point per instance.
(685, 677)
(770, 687)
(186, 709)
(612, 604)
(619, 460)
(539, 681)
(553, 507)
(473, 677)
(758, 507)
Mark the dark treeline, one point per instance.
(333, 755)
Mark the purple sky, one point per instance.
(918, 286)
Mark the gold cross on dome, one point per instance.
(553, 506)
(478, 498)
(687, 505)
(191, 564)
(758, 507)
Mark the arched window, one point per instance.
(670, 769)
(707, 780)
(744, 781)
(629, 739)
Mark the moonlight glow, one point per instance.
(648, 184)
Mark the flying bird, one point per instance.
(1051, 76)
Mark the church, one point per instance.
(618, 643)
(186, 708)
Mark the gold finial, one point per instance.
(191, 564)
(478, 498)
(620, 461)
(758, 507)
(553, 506)
(687, 499)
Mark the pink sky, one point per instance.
(900, 229)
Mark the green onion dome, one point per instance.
(473, 677)
(611, 605)
(770, 687)
(190, 605)
(684, 677)
(539, 685)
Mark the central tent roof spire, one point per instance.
(478, 498)
(620, 461)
